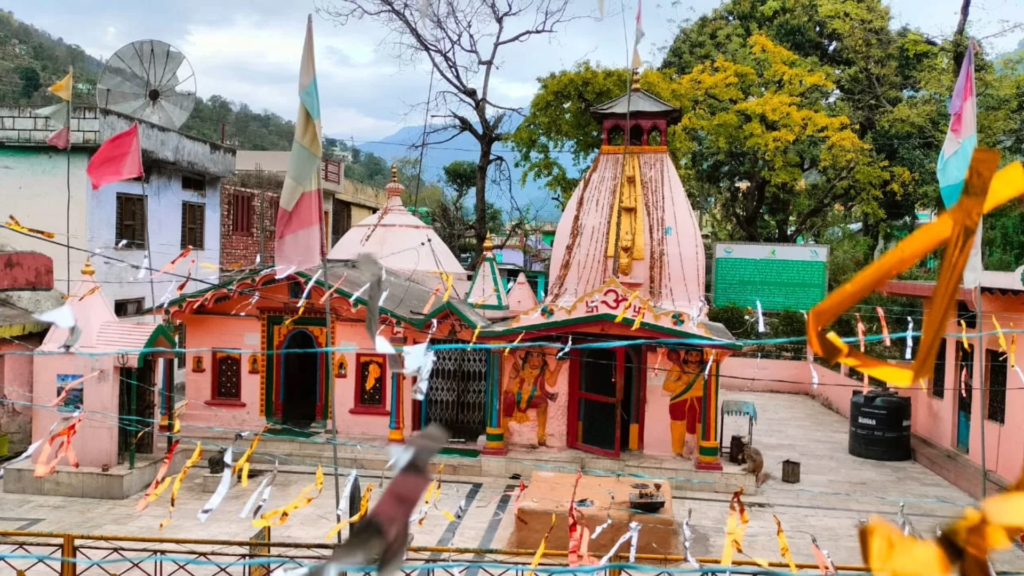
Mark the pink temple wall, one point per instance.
(96, 441)
(657, 433)
(16, 387)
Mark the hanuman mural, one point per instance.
(685, 384)
(529, 386)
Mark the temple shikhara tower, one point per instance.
(627, 264)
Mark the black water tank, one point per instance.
(880, 426)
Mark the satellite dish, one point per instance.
(150, 80)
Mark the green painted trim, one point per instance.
(161, 331)
(732, 345)
(271, 368)
(496, 277)
(499, 286)
(499, 437)
(707, 450)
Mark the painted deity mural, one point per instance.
(530, 385)
(684, 383)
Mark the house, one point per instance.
(177, 206)
(251, 205)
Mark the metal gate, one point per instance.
(457, 394)
(136, 413)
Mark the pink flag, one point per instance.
(119, 158)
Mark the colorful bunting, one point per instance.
(263, 488)
(364, 505)
(784, 544)
(45, 466)
(541, 548)
(222, 489)
(151, 492)
(14, 224)
(170, 266)
(59, 400)
(279, 516)
(196, 455)
(885, 329)
(243, 462)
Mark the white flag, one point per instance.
(638, 37)
(974, 268)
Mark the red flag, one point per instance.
(119, 158)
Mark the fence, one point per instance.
(38, 553)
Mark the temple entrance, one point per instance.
(300, 379)
(606, 401)
(457, 394)
(136, 407)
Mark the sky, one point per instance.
(249, 50)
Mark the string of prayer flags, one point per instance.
(634, 538)
(822, 558)
(188, 277)
(14, 224)
(599, 529)
(625, 307)
(345, 494)
(784, 544)
(279, 516)
(760, 318)
(196, 455)
(735, 527)
(333, 288)
(59, 400)
(243, 462)
(885, 329)
(910, 338)
(170, 266)
(264, 489)
(44, 466)
(984, 190)
(541, 548)
(222, 488)
(151, 493)
(631, 533)
(364, 505)
(352, 299)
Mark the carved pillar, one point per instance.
(397, 422)
(708, 450)
(495, 433)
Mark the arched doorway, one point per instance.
(300, 379)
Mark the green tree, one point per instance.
(30, 82)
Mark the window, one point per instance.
(939, 372)
(192, 217)
(227, 375)
(371, 384)
(130, 221)
(131, 307)
(341, 219)
(193, 184)
(242, 213)
(996, 381)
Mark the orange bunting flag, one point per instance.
(861, 332)
(13, 224)
(59, 400)
(243, 462)
(279, 516)
(170, 266)
(430, 302)
(735, 527)
(822, 558)
(91, 291)
(984, 190)
(45, 466)
(784, 544)
(188, 277)
(178, 480)
(885, 329)
(518, 338)
(152, 492)
(541, 548)
(364, 505)
(333, 288)
(575, 524)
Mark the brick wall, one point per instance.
(239, 249)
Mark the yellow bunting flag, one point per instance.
(196, 455)
(91, 291)
(518, 338)
(963, 333)
(243, 462)
(279, 516)
(63, 88)
(639, 317)
(984, 190)
(1013, 348)
(541, 548)
(784, 544)
(735, 527)
(364, 505)
(999, 333)
(625, 307)
(476, 333)
(448, 280)
(13, 224)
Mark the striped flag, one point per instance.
(300, 216)
(637, 38)
(955, 157)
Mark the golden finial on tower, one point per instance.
(636, 80)
(88, 270)
(394, 172)
(488, 244)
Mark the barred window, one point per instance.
(192, 222)
(227, 375)
(939, 372)
(242, 213)
(130, 221)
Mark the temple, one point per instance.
(627, 263)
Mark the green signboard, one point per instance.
(780, 276)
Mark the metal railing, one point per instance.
(39, 553)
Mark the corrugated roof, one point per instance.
(636, 102)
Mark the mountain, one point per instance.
(464, 147)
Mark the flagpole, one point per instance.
(67, 218)
(330, 356)
(981, 382)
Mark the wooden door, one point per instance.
(596, 402)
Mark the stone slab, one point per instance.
(118, 483)
(549, 494)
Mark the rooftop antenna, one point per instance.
(149, 80)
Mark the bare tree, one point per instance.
(461, 39)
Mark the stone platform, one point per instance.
(118, 483)
(549, 493)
